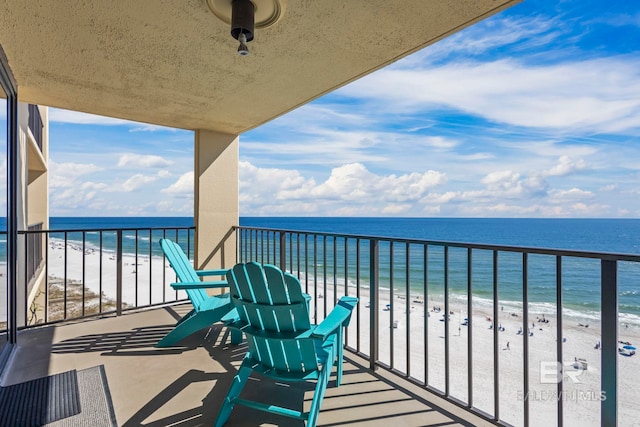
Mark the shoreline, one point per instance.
(571, 308)
(570, 311)
(541, 308)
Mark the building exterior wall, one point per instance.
(33, 209)
(38, 177)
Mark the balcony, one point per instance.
(185, 385)
(408, 362)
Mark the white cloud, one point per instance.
(581, 96)
(619, 20)
(354, 181)
(66, 174)
(563, 196)
(184, 185)
(76, 196)
(565, 166)
(501, 179)
(263, 185)
(140, 180)
(141, 160)
(498, 32)
(395, 209)
(366, 193)
(322, 146)
(439, 198)
(501, 209)
(478, 156)
(170, 207)
(136, 181)
(440, 142)
(512, 184)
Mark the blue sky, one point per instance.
(534, 112)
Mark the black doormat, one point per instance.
(40, 401)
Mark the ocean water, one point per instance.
(580, 277)
(601, 235)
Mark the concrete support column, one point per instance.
(216, 208)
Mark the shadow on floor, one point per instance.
(365, 398)
(139, 341)
(206, 411)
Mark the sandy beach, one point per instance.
(100, 277)
(581, 386)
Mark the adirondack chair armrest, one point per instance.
(231, 317)
(217, 272)
(181, 286)
(339, 317)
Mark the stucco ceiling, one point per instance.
(173, 62)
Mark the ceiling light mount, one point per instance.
(244, 16)
(243, 49)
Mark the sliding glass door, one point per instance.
(8, 208)
(4, 306)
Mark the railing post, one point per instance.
(609, 350)
(525, 338)
(447, 320)
(283, 250)
(238, 244)
(119, 272)
(496, 325)
(559, 351)
(374, 289)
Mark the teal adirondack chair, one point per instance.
(207, 309)
(273, 313)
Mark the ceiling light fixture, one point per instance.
(242, 21)
(244, 16)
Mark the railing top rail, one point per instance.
(610, 256)
(110, 229)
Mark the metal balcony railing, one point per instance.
(410, 294)
(98, 271)
(394, 276)
(35, 124)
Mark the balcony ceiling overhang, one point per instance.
(174, 63)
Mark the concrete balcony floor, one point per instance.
(185, 385)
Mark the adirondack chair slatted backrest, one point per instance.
(276, 314)
(184, 270)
